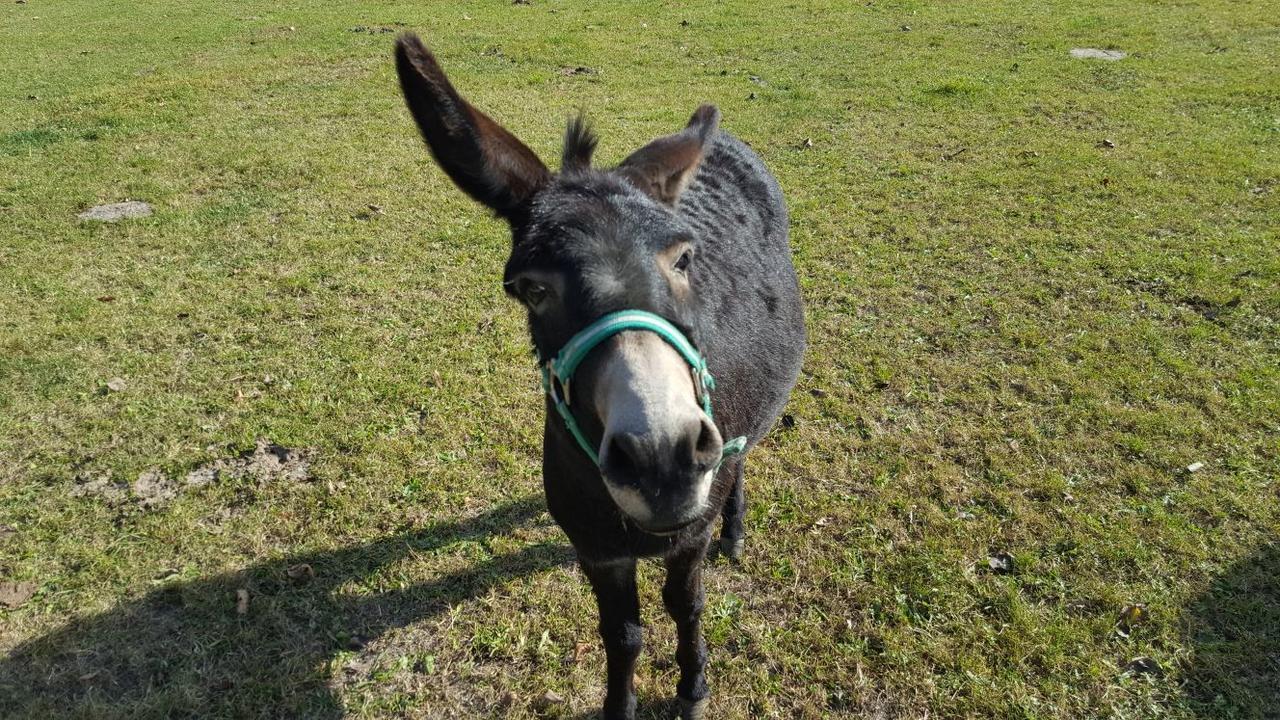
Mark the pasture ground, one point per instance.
(1039, 288)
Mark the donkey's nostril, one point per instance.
(707, 449)
(621, 458)
(706, 437)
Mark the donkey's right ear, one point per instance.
(481, 157)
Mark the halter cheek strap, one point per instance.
(557, 373)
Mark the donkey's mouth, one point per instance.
(668, 530)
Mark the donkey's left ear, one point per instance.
(664, 167)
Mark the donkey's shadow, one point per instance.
(183, 650)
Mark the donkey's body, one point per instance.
(588, 244)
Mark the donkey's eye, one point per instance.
(682, 264)
(533, 293)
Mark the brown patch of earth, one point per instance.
(266, 463)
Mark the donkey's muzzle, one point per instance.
(662, 479)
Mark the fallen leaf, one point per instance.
(549, 700)
(1131, 615)
(1107, 143)
(106, 298)
(508, 698)
(818, 392)
(14, 595)
(300, 573)
(788, 421)
(806, 143)
(242, 601)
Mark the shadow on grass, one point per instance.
(1234, 629)
(183, 651)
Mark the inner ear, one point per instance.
(666, 166)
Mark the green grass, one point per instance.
(1020, 338)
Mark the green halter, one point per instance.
(558, 371)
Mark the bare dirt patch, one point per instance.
(1096, 54)
(266, 463)
(116, 211)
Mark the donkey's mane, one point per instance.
(579, 143)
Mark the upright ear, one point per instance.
(664, 167)
(481, 157)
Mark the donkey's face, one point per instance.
(586, 243)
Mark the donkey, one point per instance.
(647, 286)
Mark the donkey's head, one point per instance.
(586, 243)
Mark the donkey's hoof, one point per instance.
(732, 548)
(693, 709)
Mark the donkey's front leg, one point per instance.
(682, 594)
(614, 584)
(735, 507)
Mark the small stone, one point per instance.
(242, 601)
(1001, 563)
(1195, 467)
(116, 211)
(117, 385)
(1144, 666)
(1096, 54)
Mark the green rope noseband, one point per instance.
(559, 370)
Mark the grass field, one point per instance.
(1038, 289)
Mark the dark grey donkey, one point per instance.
(647, 286)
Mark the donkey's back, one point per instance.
(755, 335)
